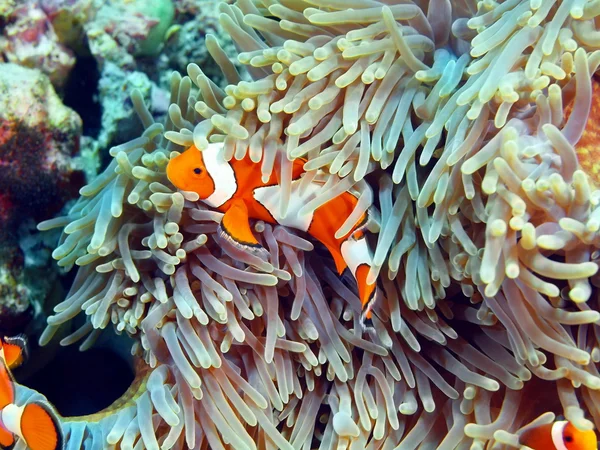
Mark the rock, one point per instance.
(28, 39)
(119, 121)
(186, 42)
(39, 137)
(15, 311)
(69, 17)
(122, 30)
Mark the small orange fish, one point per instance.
(13, 350)
(34, 422)
(560, 435)
(235, 187)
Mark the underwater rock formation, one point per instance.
(450, 121)
(15, 295)
(196, 29)
(119, 121)
(122, 30)
(39, 138)
(28, 39)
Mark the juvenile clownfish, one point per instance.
(235, 188)
(13, 350)
(560, 435)
(34, 422)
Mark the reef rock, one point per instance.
(28, 39)
(123, 30)
(39, 136)
(14, 294)
(68, 18)
(186, 42)
(119, 121)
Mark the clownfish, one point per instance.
(560, 435)
(235, 188)
(35, 423)
(13, 351)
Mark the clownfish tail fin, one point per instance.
(41, 428)
(7, 390)
(15, 350)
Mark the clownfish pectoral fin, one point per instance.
(7, 440)
(236, 226)
(40, 427)
(14, 350)
(7, 390)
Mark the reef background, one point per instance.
(67, 69)
(469, 129)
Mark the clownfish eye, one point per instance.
(568, 438)
(197, 170)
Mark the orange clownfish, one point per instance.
(560, 435)
(34, 422)
(235, 188)
(13, 350)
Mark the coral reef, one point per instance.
(121, 30)
(39, 138)
(119, 122)
(68, 19)
(28, 39)
(15, 295)
(197, 28)
(466, 128)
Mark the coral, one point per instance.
(195, 22)
(68, 18)
(121, 30)
(119, 122)
(15, 295)
(464, 127)
(28, 39)
(39, 137)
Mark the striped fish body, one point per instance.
(236, 188)
(560, 435)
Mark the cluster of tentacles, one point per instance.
(467, 128)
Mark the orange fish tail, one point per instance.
(40, 428)
(15, 350)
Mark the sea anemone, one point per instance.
(466, 128)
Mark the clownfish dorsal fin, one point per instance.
(14, 350)
(40, 427)
(235, 226)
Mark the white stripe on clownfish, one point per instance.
(558, 429)
(356, 252)
(10, 416)
(221, 173)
